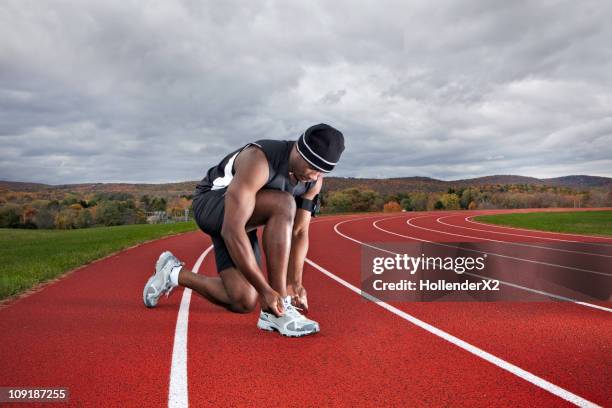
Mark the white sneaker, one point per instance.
(292, 323)
(160, 283)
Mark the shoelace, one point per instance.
(292, 311)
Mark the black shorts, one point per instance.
(209, 210)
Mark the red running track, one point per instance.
(90, 332)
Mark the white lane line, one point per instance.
(514, 285)
(439, 221)
(551, 295)
(178, 394)
(469, 219)
(504, 365)
(492, 253)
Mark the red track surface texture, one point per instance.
(90, 332)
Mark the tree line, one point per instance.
(27, 210)
(102, 209)
(469, 198)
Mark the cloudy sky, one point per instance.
(159, 91)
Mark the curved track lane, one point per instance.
(90, 332)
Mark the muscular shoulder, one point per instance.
(251, 167)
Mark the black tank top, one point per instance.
(277, 152)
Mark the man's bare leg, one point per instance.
(277, 246)
(275, 210)
(209, 287)
(279, 210)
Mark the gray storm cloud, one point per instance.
(160, 91)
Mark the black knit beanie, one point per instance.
(321, 146)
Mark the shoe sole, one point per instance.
(267, 326)
(144, 293)
(158, 265)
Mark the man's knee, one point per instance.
(285, 206)
(242, 296)
(245, 302)
(272, 205)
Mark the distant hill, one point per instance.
(580, 181)
(386, 186)
(394, 185)
(499, 179)
(179, 188)
(566, 181)
(25, 187)
(383, 186)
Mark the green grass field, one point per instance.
(575, 222)
(28, 257)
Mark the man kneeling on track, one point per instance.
(270, 183)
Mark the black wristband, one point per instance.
(309, 205)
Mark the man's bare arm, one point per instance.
(299, 249)
(251, 174)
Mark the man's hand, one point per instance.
(298, 295)
(271, 301)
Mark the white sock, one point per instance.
(174, 275)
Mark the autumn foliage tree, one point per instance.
(353, 200)
(392, 206)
